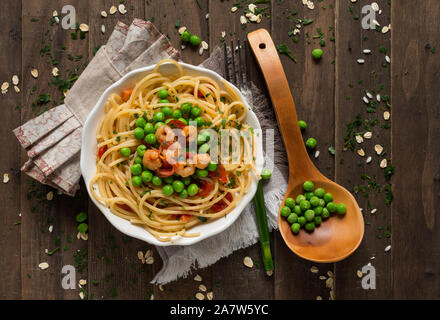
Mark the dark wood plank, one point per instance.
(114, 272)
(169, 14)
(231, 279)
(38, 213)
(312, 86)
(416, 129)
(166, 15)
(351, 40)
(10, 230)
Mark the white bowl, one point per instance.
(89, 149)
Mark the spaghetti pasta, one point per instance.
(173, 152)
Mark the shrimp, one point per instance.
(190, 132)
(172, 152)
(185, 169)
(151, 159)
(165, 133)
(202, 160)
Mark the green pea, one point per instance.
(200, 139)
(304, 205)
(341, 209)
(308, 186)
(325, 213)
(164, 101)
(167, 190)
(309, 195)
(162, 93)
(196, 111)
(319, 192)
(195, 40)
(202, 173)
(81, 217)
(314, 201)
(331, 206)
(185, 36)
(297, 209)
(177, 114)
(302, 221)
(125, 152)
(193, 189)
(146, 176)
(207, 135)
(186, 107)
(178, 186)
(138, 160)
(204, 148)
(137, 181)
(318, 211)
(328, 197)
(168, 180)
(149, 128)
(317, 221)
(309, 215)
(290, 203)
(300, 198)
(157, 125)
(311, 143)
(183, 121)
(200, 122)
(212, 166)
(158, 117)
(150, 138)
(183, 194)
(136, 169)
(302, 125)
(322, 202)
(285, 211)
(186, 181)
(295, 228)
(140, 122)
(139, 133)
(83, 227)
(141, 150)
(292, 218)
(310, 226)
(266, 174)
(156, 181)
(317, 54)
(167, 111)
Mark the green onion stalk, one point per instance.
(263, 229)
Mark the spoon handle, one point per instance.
(266, 53)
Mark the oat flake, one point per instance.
(200, 296)
(34, 73)
(198, 278)
(43, 265)
(247, 261)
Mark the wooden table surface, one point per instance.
(328, 96)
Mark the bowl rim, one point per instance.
(133, 230)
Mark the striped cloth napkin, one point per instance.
(53, 141)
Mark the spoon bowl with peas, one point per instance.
(338, 236)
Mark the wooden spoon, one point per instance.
(338, 236)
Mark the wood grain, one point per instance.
(38, 214)
(352, 82)
(415, 150)
(231, 279)
(10, 229)
(328, 95)
(306, 78)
